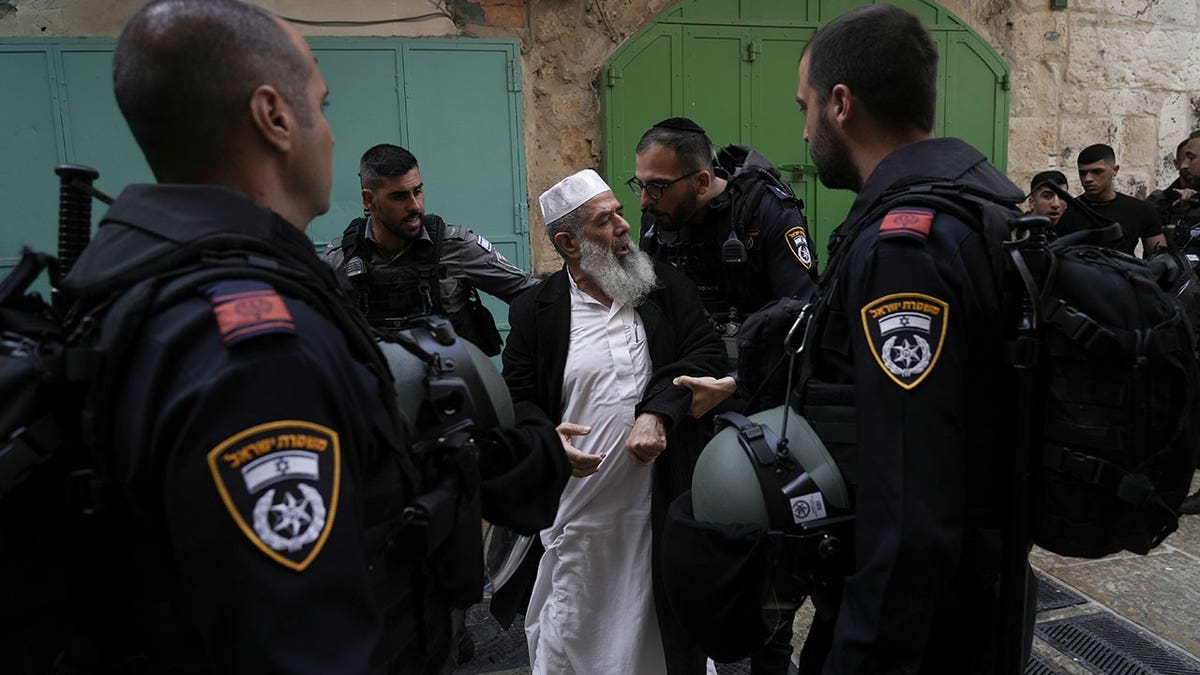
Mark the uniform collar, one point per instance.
(183, 213)
(148, 221)
(933, 159)
(422, 241)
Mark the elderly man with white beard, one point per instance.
(598, 346)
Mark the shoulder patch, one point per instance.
(905, 332)
(908, 221)
(797, 241)
(484, 243)
(244, 309)
(280, 482)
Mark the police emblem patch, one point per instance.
(905, 332)
(280, 482)
(797, 239)
(485, 244)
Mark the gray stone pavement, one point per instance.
(1149, 605)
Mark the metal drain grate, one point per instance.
(743, 668)
(1053, 595)
(1040, 665)
(495, 648)
(736, 668)
(1103, 644)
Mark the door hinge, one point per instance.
(520, 218)
(1005, 82)
(611, 75)
(514, 75)
(752, 51)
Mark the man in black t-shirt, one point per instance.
(1097, 169)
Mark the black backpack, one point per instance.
(1112, 410)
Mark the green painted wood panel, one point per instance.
(465, 138)
(29, 145)
(978, 105)
(364, 110)
(773, 10)
(97, 135)
(716, 82)
(462, 121)
(828, 9)
(778, 122)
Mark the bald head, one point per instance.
(183, 74)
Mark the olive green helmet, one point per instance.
(441, 379)
(726, 487)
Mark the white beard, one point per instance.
(627, 280)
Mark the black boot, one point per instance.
(1191, 505)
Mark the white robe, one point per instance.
(592, 606)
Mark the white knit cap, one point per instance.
(570, 193)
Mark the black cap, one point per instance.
(1056, 177)
(680, 124)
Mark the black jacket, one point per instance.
(907, 390)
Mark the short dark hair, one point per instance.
(888, 60)
(1194, 134)
(384, 161)
(183, 71)
(1056, 177)
(691, 144)
(1097, 153)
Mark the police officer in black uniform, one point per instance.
(908, 369)
(739, 235)
(256, 468)
(1178, 205)
(404, 262)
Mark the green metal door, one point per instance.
(731, 66)
(455, 103)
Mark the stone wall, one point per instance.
(1122, 72)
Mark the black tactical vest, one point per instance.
(391, 296)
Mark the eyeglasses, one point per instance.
(654, 190)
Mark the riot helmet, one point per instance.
(443, 381)
(767, 521)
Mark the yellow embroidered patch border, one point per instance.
(281, 481)
(906, 332)
(797, 239)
